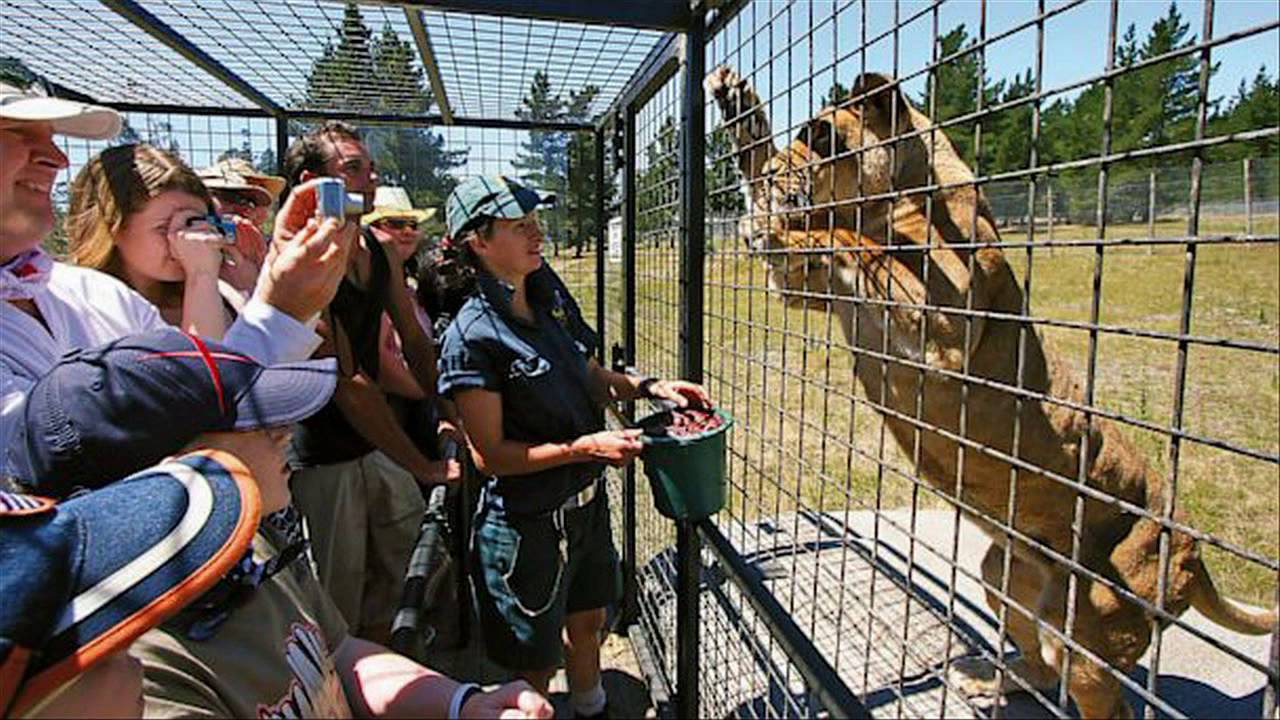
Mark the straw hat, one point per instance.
(238, 174)
(393, 202)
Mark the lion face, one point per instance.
(819, 180)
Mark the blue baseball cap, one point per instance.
(494, 196)
(82, 579)
(103, 413)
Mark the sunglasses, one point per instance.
(239, 199)
(399, 224)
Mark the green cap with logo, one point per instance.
(493, 196)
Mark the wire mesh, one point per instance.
(488, 62)
(657, 322)
(897, 414)
(877, 452)
(90, 49)
(326, 57)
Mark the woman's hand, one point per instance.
(616, 447)
(514, 700)
(198, 249)
(681, 392)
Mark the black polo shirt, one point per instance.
(539, 369)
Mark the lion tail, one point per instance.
(1205, 598)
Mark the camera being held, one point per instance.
(333, 200)
(206, 228)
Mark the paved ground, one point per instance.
(893, 653)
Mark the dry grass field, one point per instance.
(806, 438)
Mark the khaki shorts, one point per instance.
(363, 517)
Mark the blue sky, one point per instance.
(772, 43)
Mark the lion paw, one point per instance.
(721, 80)
(976, 678)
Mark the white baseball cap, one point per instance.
(25, 96)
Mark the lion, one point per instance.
(939, 328)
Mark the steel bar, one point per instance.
(282, 143)
(671, 15)
(602, 240)
(835, 696)
(176, 41)
(627, 121)
(693, 248)
(425, 51)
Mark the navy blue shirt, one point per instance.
(539, 369)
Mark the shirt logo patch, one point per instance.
(315, 689)
(521, 368)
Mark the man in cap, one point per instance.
(48, 308)
(64, 633)
(265, 641)
(239, 189)
(244, 196)
(355, 467)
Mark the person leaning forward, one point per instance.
(48, 308)
(363, 511)
(518, 362)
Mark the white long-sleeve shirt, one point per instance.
(85, 308)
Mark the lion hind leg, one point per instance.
(975, 676)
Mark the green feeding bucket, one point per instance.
(686, 472)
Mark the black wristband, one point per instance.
(644, 388)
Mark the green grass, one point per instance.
(805, 439)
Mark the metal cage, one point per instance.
(969, 275)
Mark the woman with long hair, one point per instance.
(141, 214)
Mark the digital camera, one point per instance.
(225, 227)
(333, 200)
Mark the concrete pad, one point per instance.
(842, 578)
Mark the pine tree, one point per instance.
(343, 75)
(724, 179)
(541, 156)
(837, 94)
(658, 187)
(580, 180)
(560, 162)
(363, 73)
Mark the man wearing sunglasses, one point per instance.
(244, 196)
(354, 466)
